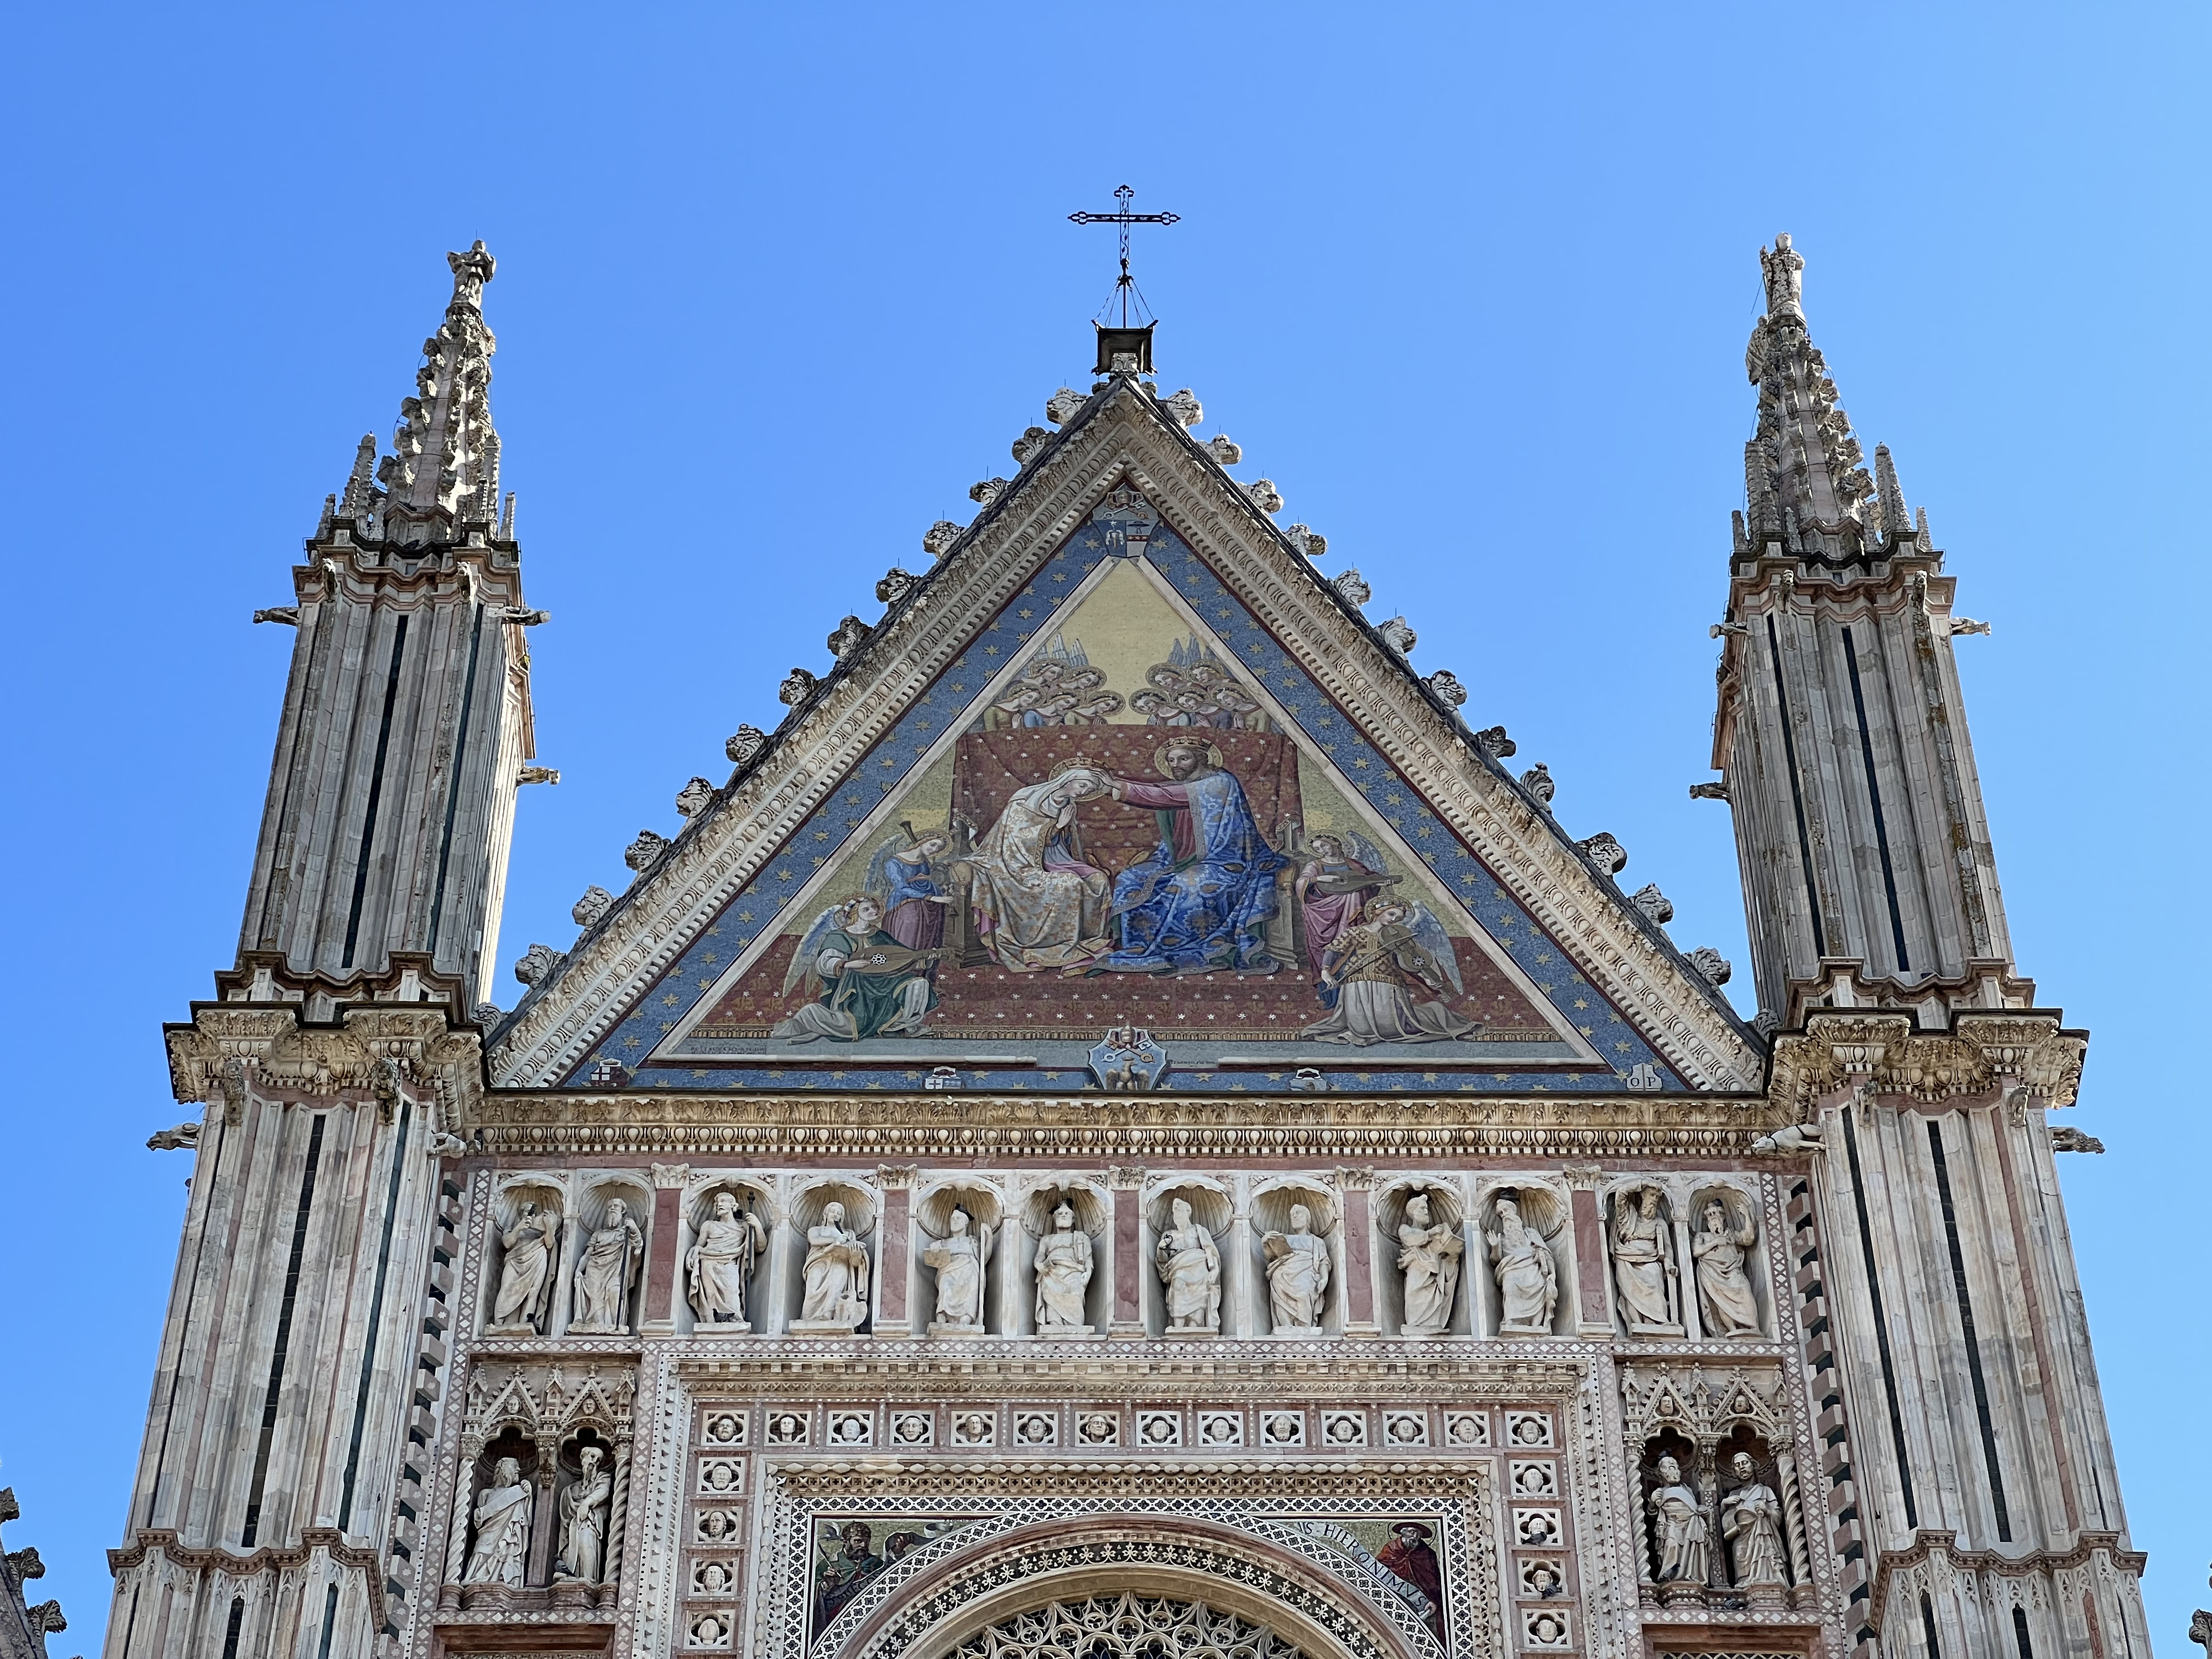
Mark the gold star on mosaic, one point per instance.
(670, 1000)
(1581, 1002)
(1622, 1047)
(1025, 613)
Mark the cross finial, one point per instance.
(1125, 287)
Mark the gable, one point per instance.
(1143, 615)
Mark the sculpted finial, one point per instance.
(1784, 267)
(471, 270)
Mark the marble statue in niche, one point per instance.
(584, 1519)
(525, 1274)
(721, 1262)
(1528, 1279)
(835, 1274)
(1644, 1270)
(1751, 1525)
(1297, 1276)
(958, 1260)
(613, 1256)
(1429, 1253)
(1679, 1523)
(1189, 1264)
(1063, 1277)
(1725, 1299)
(502, 1528)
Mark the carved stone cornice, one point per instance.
(278, 1558)
(1123, 435)
(889, 1127)
(372, 1049)
(1214, 1371)
(1887, 1053)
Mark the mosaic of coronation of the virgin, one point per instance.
(1124, 842)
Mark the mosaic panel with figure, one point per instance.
(1124, 828)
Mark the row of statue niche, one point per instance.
(731, 1239)
(500, 1522)
(605, 1278)
(1647, 1282)
(1751, 1522)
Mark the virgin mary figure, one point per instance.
(1038, 905)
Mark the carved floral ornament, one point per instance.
(376, 1052)
(1983, 1055)
(1122, 440)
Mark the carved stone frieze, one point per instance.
(1109, 1129)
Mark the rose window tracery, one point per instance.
(1130, 1626)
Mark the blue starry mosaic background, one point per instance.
(953, 699)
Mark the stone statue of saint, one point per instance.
(1643, 1268)
(1063, 1275)
(1429, 1253)
(1680, 1524)
(1297, 1276)
(1751, 1522)
(836, 1274)
(1190, 1263)
(1725, 1300)
(502, 1528)
(1528, 1279)
(720, 1263)
(525, 1276)
(612, 1258)
(959, 1258)
(584, 1519)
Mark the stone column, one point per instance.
(1694, 1326)
(893, 1245)
(617, 1514)
(457, 1540)
(1357, 1187)
(1591, 1320)
(1242, 1289)
(1127, 1181)
(659, 1307)
(542, 1517)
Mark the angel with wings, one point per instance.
(1392, 971)
(867, 983)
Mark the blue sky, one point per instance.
(1471, 284)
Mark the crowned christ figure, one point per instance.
(1203, 899)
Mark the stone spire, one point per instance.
(1804, 485)
(1868, 871)
(443, 470)
(407, 716)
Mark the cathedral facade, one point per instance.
(1123, 1129)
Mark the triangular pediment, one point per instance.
(1265, 794)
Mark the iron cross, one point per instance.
(1123, 218)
